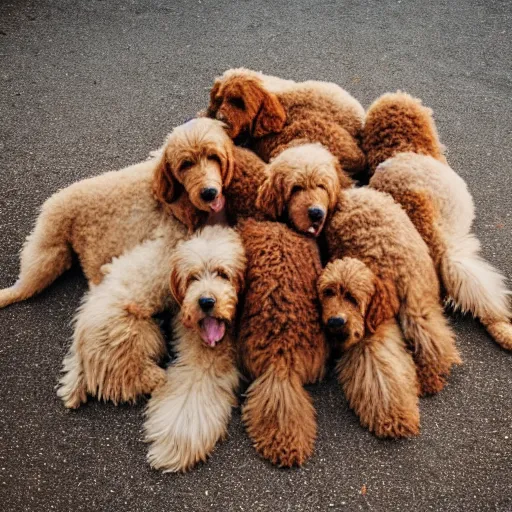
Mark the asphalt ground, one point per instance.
(94, 85)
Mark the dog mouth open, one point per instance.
(212, 330)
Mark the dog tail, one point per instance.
(474, 285)
(398, 123)
(280, 418)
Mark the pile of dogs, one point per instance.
(251, 224)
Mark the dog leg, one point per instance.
(432, 340)
(187, 416)
(280, 418)
(379, 379)
(474, 285)
(118, 341)
(71, 388)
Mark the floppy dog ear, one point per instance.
(177, 285)
(273, 194)
(271, 116)
(344, 180)
(165, 186)
(212, 107)
(384, 304)
(227, 164)
(184, 211)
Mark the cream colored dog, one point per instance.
(190, 413)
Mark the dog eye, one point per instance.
(351, 298)
(222, 275)
(187, 164)
(237, 102)
(329, 292)
(193, 277)
(296, 189)
(214, 158)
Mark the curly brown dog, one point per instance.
(369, 226)
(302, 186)
(116, 343)
(402, 143)
(376, 370)
(273, 113)
(281, 341)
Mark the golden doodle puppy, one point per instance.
(102, 217)
(189, 414)
(272, 113)
(402, 143)
(116, 343)
(376, 371)
(369, 226)
(302, 186)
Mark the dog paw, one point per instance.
(398, 426)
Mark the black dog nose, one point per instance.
(335, 322)
(206, 303)
(315, 214)
(209, 194)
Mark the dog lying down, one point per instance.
(190, 412)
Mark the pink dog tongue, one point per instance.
(217, 204)
(212, 330)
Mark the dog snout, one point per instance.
(220, 116)
(206, 303)
(315, 214)
(336, 322)
(209, 194)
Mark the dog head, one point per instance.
(197, 158)
(354, 300)
(239, 99)
(206, 277)
(304, 181)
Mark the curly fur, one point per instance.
(302, 177)
(376, 371)
(273, 113)
(368, 225)
(398, 123)
(116, 343)
(282, 345)
(189, 414)
(440, 206)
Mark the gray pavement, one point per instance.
(91, 86)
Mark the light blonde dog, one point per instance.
(117, 344)
(190, 413)
(376, 371)
(102, 217)
(402, 142)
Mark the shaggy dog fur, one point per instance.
(190, 413)
(302, 186)
(439, 205)
(369, 226)
(281, 341)
(117, 344)
(274, 113)
(376, 370)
